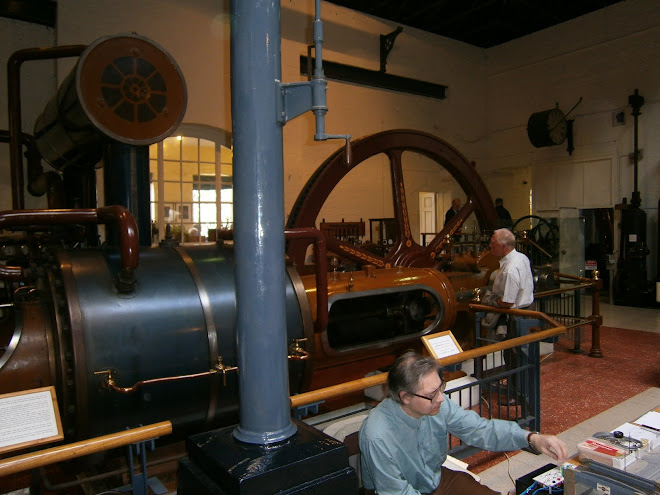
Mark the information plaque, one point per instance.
(29, 418)
(441, 344)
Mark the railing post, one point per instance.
(597, 318)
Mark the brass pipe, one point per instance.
(553, 292)
(363, 383)
(111, 384)
(515, 312)
(69, 451)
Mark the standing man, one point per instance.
(451, 212)
(514, 284)
(503, 215)
(404, 439)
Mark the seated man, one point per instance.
(404, 439)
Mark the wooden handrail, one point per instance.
(84, 447)
(363, 383)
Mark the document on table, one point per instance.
(651, 420)
(637, 432)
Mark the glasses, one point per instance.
(435, 393)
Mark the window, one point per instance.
(191, 185)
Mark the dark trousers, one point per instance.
(456, 483)
(460, 483)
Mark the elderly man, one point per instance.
(404, 439)
(514, 284)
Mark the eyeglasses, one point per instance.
(434, 395)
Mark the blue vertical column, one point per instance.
(126, 183)
(265, 416)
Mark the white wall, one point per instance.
(602, 57)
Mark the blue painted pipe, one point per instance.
(265, 416)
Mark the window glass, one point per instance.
(184, 187)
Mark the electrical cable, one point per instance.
(530, 488)
(508, 468)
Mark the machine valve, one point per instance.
(223, 368)
(296, 351)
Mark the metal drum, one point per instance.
(177, 323)
(125, 88)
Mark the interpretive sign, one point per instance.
(29, 418)
(441, 344)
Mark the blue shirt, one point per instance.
(403, 455)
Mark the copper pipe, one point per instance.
(111, 384)
(85, 447)
(14, 106)
(321, 255)
(363, 383)
(128, 234)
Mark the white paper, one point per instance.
(637, 432)
(443, 346)
(27, 418)
(650, 419)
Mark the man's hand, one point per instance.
(549, 445)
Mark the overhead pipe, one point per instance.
(128, 236)
(14, 109)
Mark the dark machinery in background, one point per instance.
(631, 285)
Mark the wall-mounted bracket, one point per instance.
(386, 45)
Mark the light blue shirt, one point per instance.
(403, 455)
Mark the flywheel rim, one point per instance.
(406, 252)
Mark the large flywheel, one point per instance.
(405, 250)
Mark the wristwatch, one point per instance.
(529, 443)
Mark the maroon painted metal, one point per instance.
(14, 103)
(406, 251)
(321, 273)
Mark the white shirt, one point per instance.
(514, 283)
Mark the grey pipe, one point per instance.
(265, 416)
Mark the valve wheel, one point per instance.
(405, 251)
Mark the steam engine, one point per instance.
(131, 334)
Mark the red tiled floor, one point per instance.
(576, 387)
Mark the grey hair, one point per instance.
(407, 372)
(506, 237)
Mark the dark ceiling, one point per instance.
(483, 23)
